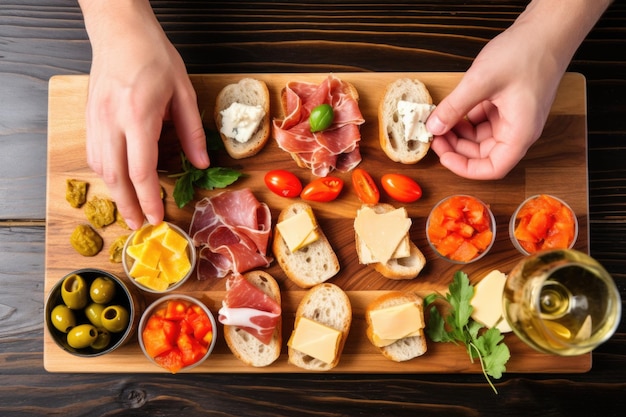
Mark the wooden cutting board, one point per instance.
(556, 164)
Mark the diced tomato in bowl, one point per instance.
(543, 222)
(177, 332)
(461, 229)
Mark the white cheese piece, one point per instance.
(487, 299)
(314, 339)
(240, 121)
(504, 326)
(414, 117)
(383, 233)
(397, 322)
(298, 230)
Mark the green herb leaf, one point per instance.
(217, 177)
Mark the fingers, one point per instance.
(189, 128)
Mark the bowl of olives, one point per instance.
(91, 312)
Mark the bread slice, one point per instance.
(310, 265)
(408, 347)
(400, 268)
(251, 92)
(242, 344)
(391, 128)
(329, 305)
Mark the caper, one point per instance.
(93, 312)
(82, 336)
(321, 117)
(115, 318)
(86, 241)
(62, 318)
(102, 290)
(102, 340)
(74, 292)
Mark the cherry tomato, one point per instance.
(364, 186)
(401, 188)
(283, 183)
(322, 189)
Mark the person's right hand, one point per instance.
(137, 81)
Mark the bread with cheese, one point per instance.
(251, 92)
(242, 344)
(329, 305)
(391, 126)
(396, 268)
(405, 348)
(311, 265)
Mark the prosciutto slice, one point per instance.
(336, 147)
(232, 231)
(249, 308)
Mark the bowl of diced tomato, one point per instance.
(543, 222)
(461, 229)
(177, 332)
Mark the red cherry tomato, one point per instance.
(364, 186)
(322, 189)
(283, 183)
(401, 188)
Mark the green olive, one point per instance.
(102, 290)
(102, 340)
(94, 313)
(115, 318)
(82, 336)
(74, 292)
(321, 117)
(63, 318)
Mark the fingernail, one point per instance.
(132, 224)
(435, 126)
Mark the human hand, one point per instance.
(137, 81)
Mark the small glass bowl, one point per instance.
(162, 303)
(128, 261)
(432, 236)
(514, 221)
(124, 296)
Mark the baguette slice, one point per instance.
(408, 347)
(329, 305)
(242, 344)
(310, 265)
(251, 92)
(397, 269)
(391, 128)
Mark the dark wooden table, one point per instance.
(42, 39)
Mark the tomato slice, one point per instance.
(365, 187)
(176, 310)
(283, 183)
(322, 189)
(401, 187)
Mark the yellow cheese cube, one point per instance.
(140, 270)
(174, 268)
(154, 283)
(173, 241)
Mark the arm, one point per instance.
(137, 81)
(498, 110)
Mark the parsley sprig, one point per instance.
(459, 328)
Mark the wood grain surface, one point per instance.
(560, 155)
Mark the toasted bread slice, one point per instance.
(399, 268)
(408, 347)
(329, 305)
(242, 344)
(391, 128)
(310, 265)
(251, 92)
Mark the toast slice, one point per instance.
(329, 305)
(406, 348)
(390, 125)
(399, 268)
(242, 344)
(310, 265)
(251, 92)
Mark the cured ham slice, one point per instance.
(336, 147)
(232, 230)
(249, 308)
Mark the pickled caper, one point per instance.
(115, 318)
(102, 290)
(82, 336)
(62, 318)
(74, 292)
(76, 192)
(100, 212)
(116, 250)
(102, 340)
(86, 241)
(93, 312)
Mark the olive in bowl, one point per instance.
(83, 321)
